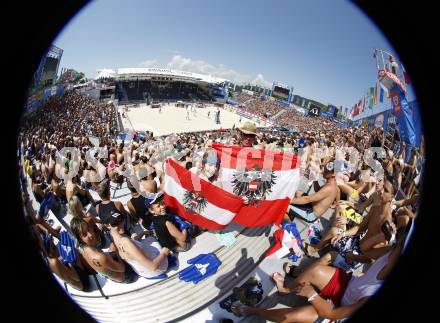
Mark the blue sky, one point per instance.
(321, 48)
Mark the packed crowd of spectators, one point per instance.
(291, 119)
(162, 91)
(122, 242)
(242, 98)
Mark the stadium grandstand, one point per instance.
(203, 249)
(159, 85)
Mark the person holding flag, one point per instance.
(166, 226)
(247, 134)
(209, 169)
(265, 180)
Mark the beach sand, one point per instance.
(173, 119)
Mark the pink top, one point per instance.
(111, 165)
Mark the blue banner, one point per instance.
(331, 110)
(403, 115)
(231, 101)
(37, 99)
(417, 121)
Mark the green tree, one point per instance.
(79, 78)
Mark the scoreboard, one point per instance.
(282, 92)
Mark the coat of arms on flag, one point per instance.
(267, 179)
(254, 184)
(194, 202)
(205, 204)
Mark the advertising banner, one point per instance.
(314, 111)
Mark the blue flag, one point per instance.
(66, 248)
(202, 266)
(46, 204)
(381, 95)
(401, 110)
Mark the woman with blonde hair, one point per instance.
(77, 210)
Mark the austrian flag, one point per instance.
(266, 180)
(197, 200)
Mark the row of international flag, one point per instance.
(372, 97)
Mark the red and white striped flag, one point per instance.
(197, 200)
(284, 241)
(267, 179)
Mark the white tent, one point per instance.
(105, 73)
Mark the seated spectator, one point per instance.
(146, 175)
(39, 187)
(332, 294)
(354, 189)
(350, 245)
(58, 188)
(73, 274)
(146, 257)
(166, 227)
(136, 207)
(74, 188)
(313, 206)
(107, 264)
(33, 218)
(120, 154)
(108, 207)
(77, 210)
(111, 167)
(209, 170)
(404, 210)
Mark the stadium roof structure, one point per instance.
(139, 72)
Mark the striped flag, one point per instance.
(362, 105)
(375, 95)
(385, 90)
(197, 200)
(371, 98)
(267, 179)
(285, 240)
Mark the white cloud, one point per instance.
(180, 63)
(260, 81)
(149, 63)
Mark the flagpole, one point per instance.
(375, 56)
(383, 60)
